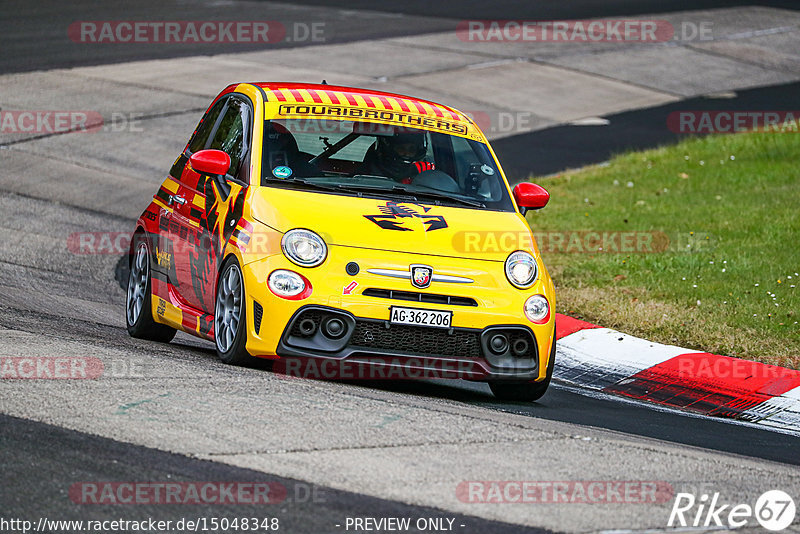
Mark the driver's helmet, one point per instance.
(403, 147)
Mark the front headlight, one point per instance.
(521, 269)
(304, 247)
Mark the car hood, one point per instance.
(394, 225)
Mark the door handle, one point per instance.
(175, 199)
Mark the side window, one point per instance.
(232, 134)
(204, 128)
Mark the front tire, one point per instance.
(139, 299)
(527, 391)
(230, 317)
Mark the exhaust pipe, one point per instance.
(334, 328)
(520, 347)
(498, 344)
(307, 327)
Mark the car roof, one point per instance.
(313, 93)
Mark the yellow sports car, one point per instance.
(332, 229)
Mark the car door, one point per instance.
(168, 244)
(206, 200)
(180, 199)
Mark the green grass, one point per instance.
(734, 200)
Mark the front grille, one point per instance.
(416, 339)
(414, 296)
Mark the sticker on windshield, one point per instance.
(282, 172)
(488, 171)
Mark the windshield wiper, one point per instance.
(447, 198)
(374, 176)
(382, 192)
(335, 188)
(305, 183)
(439, 197)
(377, 191)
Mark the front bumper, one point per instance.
(370, 340)
(406, 351)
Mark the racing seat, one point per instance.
(281, 150)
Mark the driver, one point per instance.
(398, 156)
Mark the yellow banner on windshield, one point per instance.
(384, 116)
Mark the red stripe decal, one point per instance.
(297, 96)
(385, 102)
(351, 99)
(279, 95)
(315, 96)
(336, 98)
(401, 103)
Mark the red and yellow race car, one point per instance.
(315, 223)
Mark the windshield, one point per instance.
(382, 160)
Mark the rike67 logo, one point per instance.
(774, 510)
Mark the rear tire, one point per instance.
(230, 317)
(525, 391)
(139, 299)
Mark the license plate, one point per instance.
(417, 317)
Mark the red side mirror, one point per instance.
(530, 196)
(210, 162)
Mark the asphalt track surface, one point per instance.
(75, 456)
(554, 149)
(34, 34)
(542, 9)
(566, 404)
(39, 462)
(71, 456)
